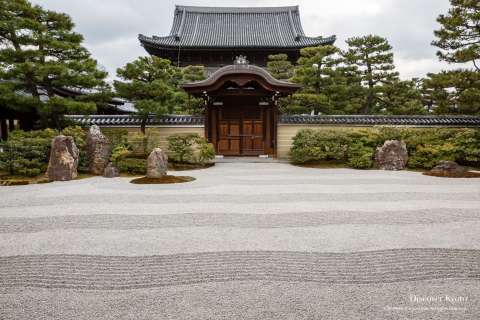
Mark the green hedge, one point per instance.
(356, 147)
(27, 153)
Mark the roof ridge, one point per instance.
(206, 9)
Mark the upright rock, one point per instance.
(157, 164)
(111, 171)
(448, 169)
(63, 162)
(98, 151)
(393, 155)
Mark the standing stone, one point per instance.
(157, 164)
(448, 169)
(111, 171)
(98, 151)
(393, 155)
(63, 162)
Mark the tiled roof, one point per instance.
(383, 120)
(367, 120)
(128, 121)
(216, 27)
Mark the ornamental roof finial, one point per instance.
(241, 60)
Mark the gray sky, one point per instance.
(111, 27)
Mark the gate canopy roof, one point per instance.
(241, 75)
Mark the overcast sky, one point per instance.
(111, 27)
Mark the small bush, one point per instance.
(190, 148)
(133, 166)
(360, 156)
(119, 153)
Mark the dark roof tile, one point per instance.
(127, 120)
(383, 120)
(217, 27)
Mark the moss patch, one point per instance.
(163, 180)
(322, 165)
(188, 166)
(14, 182)
(467, 174)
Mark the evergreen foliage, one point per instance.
(40, 53)
(453, 92)
(153, 85)
(27, 153)
(279, 66)
(459, 36)
(356, 147)
(190, 148)
(329, 87)
(372, 57)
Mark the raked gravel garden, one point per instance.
(243, 241)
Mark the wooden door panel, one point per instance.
(247, 144)
(229, 140)
(252, 138)
(259, 138)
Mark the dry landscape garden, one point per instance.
(239, 170)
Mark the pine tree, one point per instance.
(459, 37)
(40, 53)
(453, 92)
(184, 103)
(150, 83)
(279, 66)
(372, 56)
(329, 87)
(402, 98)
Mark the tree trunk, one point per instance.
(3, 129)
(56, 121)
(11, 124)
(143, 125)
(371, 85)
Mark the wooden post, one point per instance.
(213, 126)
(268, 130)
(275, 129)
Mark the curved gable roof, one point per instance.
(235, 27)
(234, 72)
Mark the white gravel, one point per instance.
(240, 207)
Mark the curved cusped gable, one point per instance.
(241, 75)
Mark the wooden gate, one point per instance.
(241, 132)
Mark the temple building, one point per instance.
(213, 36)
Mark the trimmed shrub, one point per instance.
(189, 148)
(133, 166)
(360, 156)
(356, 147)
(27, 153)
(119, 153)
